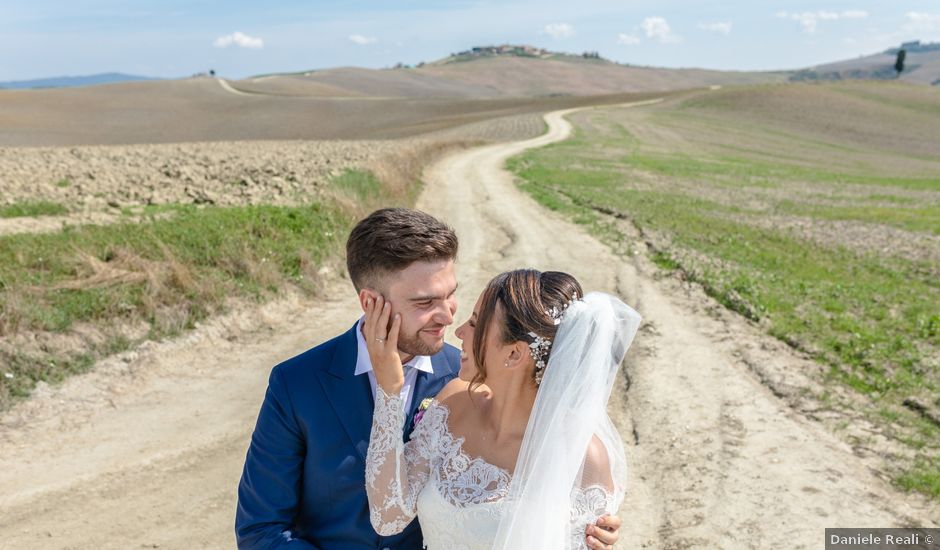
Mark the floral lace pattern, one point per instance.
(459, 498)
(590, 503)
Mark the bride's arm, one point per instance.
(395, 471)
(595, 499)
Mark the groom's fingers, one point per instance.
(605, 533)
(372, 318)
(609, 523)
(381, 326)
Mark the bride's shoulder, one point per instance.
(458, 392)
(453, 388)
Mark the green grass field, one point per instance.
(32, 208)
(812, 210)
(159, 274)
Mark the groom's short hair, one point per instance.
(391, 239)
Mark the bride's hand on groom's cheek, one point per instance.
(604, 533)
(382, 341)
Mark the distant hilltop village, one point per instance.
(504, 49)
(515, 50)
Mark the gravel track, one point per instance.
(146, 450)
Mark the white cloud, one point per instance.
(723, 27)
(922, 22)
(658, 28)
(559, 30)
(362, 40)
(809, 20)
(627, 39)
(240, 40)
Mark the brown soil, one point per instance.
(146, 450)
(103, 179)
(207, 109)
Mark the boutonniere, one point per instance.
(425, 403)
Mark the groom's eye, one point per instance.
(426, 303)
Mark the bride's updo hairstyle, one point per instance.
(518, 302)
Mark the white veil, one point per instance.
(570, 409)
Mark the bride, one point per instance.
(519, 451)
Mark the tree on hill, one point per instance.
(899, 62)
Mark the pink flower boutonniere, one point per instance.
(425, 403)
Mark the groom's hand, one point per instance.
(382, 342)
(604, 534)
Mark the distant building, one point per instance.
(523, 50)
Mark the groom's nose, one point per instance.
(446, 313)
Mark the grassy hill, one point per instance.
(922, 66)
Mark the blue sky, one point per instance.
(173, 38)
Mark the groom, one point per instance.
(303, 485)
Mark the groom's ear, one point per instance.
(365, 295)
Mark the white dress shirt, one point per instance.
(417, 363)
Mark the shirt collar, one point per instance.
(364, 364)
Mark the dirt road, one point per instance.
(146, 451)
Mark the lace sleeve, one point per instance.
(595, 495)
(395, 471)
(588, 504)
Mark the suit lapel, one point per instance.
(350, 395)
(428, 384)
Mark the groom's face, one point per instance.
(425, 293)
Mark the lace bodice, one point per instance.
(458, 498)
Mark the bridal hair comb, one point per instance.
(540, 346)
(539, 350)
(557, 313)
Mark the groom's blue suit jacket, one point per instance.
(303, 485)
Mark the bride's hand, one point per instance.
(382, 342)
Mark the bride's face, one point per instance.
(494, 349)
(424, 294)
(468, 367)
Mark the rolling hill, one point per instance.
(922, 66)
(72, 81)
(500, 76)
(357, 103)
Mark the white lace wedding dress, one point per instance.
(458, 499)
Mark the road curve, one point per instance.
(716, 459)
(147, 449)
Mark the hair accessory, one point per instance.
(540, 345)
(557, 313)
(539, 349)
